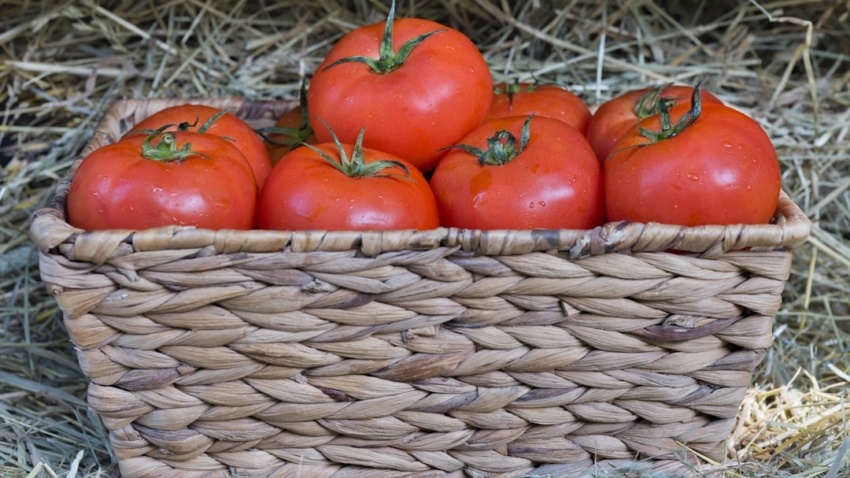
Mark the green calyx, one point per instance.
(166, 150)
(294, 136)
(513, 88)
(356, 166)
(649, 103)
(388, 61)
(668, 129)
(502, 147)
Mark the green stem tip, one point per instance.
(502, 147)
(294, 136)
(166, 150)
(668, 129)
(387, 60)
(356, 165)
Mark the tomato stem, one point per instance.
(356, 165)
(387, 62)
(513, 88)
(295, 136)
(166, 150)
(668, 129)
(649, 103)
(502, 147)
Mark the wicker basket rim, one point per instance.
(790, 227)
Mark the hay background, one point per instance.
(784, 62)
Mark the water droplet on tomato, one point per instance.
(477, 199)
(727, 144)
(542, 203)
(693, 177)
(531, 205)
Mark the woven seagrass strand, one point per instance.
(403, 353)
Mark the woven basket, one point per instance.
(436, 353)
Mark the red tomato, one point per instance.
(345, 187)
(196, 118)
(553, 182)
(288, 133)
(618, 115)
(722, 169)
(120, 186)
(419, 102)
(550, 101)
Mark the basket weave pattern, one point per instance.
(402, 353)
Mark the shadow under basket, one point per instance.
(445, 352)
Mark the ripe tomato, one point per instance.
(721, 169)
(197, 118)
(618, 115)
(175, 178)
(331, 186)
(550, 101)
(290, 130)
(548, 179)
(416, 85)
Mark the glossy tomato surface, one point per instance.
(551, 101)
(720, 170)
(616, 116)
(227, 125)
(555, 182)
(305, 192)
(115, 187)
(441, 91)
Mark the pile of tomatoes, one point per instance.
(402, 128)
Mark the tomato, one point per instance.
(176, 178)
(331, 186)
(618, 115)
(288, 132)
(418, 89)
(551, 101)
(548, 179)
(717, 166)
(197, 118)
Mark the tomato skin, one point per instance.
(305, 192)
(550, 101)
(413, 111)
(290, 119)
(722, 169)
(228, 125)
(115, 187)
(554, 183)
(616, 116)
